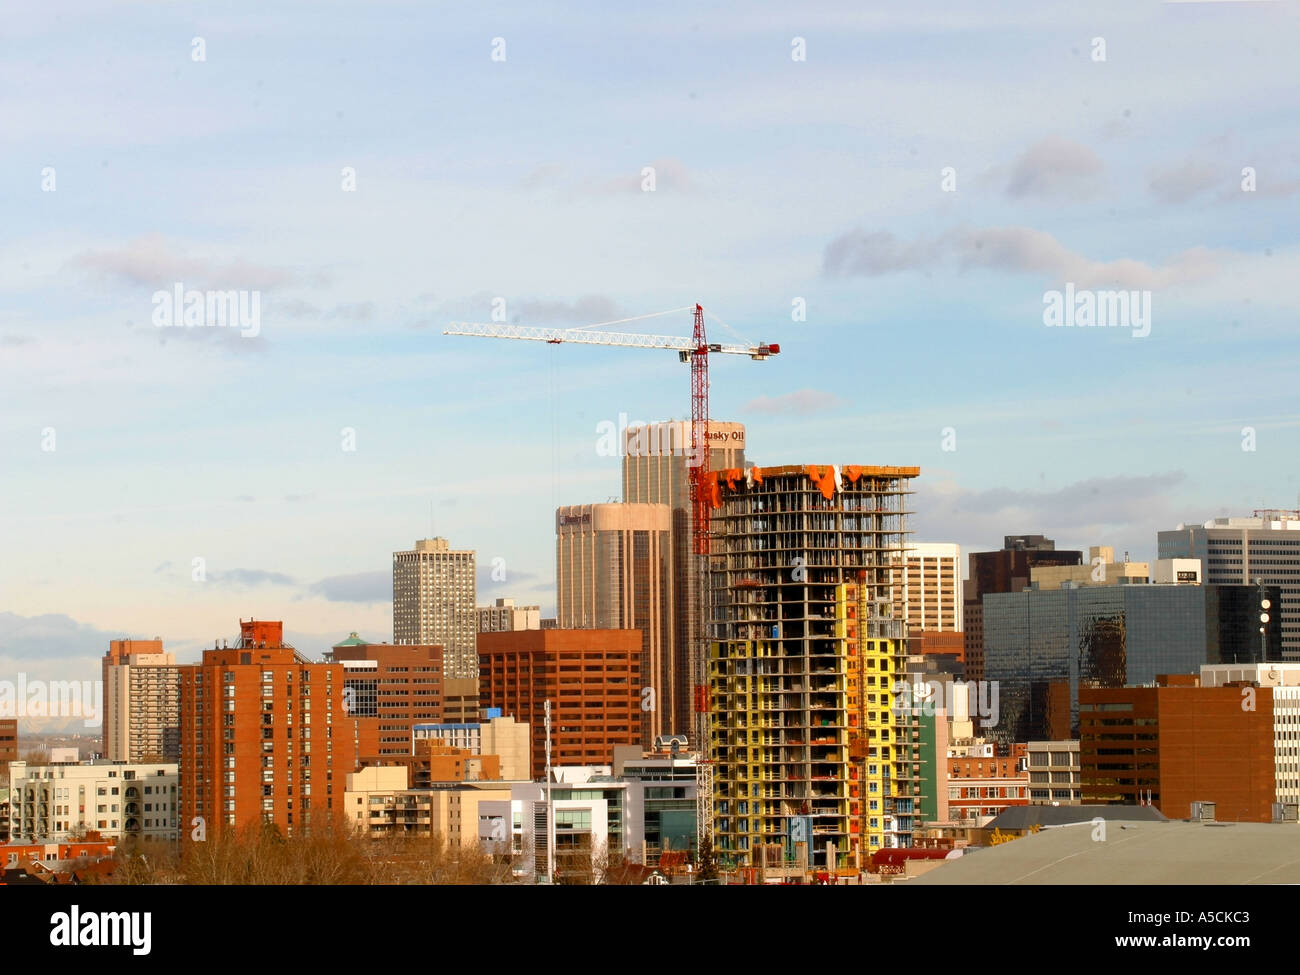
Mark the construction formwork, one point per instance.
(804, 644)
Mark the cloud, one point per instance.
(246, 578)
(297, 498)
(1124, 511)
(1178, 184)
(800, 403)
(1055, 168)
(360, 311)
(52, 636)
(162, 567)
(514, 582)
(13, 341)
(245, 497)
(360, 587)
(153, 261)
(669, 174)
(868, 254)
(1022, 250)
(587, 310)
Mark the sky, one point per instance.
(891, 192)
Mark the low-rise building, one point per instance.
(504, 737)
(53, 803)
(1054, 772)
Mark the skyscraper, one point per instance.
(1043, 645)
(809, 749)
(656, 470)
(1245, 551)
(141, 702)
(614, 571)
(1003, 571)
(434, 594)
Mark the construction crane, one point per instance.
(694, 350)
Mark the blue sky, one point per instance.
(521, 178)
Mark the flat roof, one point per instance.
(1173, 852)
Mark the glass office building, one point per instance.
(1040, 645)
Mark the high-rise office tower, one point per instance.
(927, 587)
(1003, 571)
(812, 759)
(434, 593)
(590, 677)
(1247, 551)
(1043, 645)
(614, 571)
(656, 470)
(142, 693)
(258, 739)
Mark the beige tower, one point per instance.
(434, 595)
(614, 571)
(927, 587)
(656, 470)
(141, 702)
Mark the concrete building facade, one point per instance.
(141, 702)
(434, 603)
(927, 588)
(48, 803)
(1054, 772)
(505, 615)
(1245, 551)
(656, 470)
(812, 761)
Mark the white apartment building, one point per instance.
(504, 616)
(434, 602)
(48, 803)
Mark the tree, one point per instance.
(706, 861)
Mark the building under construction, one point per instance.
(813, 769)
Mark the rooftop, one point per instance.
(1173, 852)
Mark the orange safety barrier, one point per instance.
(824, 478)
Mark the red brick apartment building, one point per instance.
(591, 677)
(388, 688)
(982, 786)
(258, 735)
(8, 741)
(1181, 743)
